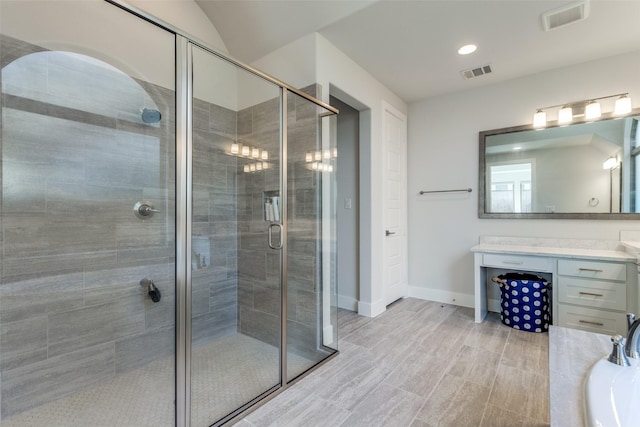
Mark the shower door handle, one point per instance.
(270, 240)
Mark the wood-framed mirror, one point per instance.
(584, 170)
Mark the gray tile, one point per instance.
(138, 351)
(475, 365)
(56, 377)
(418, 373)
(86, 327)
(23, 343)
(386, 405)
(488, 337)
(262, 326)
(524, 392)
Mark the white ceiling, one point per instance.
(411, 46)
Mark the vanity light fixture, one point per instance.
(467, 49)
(589, 109)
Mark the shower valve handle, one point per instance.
(144, 210)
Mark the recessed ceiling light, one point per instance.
(467, 49)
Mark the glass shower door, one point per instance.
(87, 282)
(311, 292)
(235, 257)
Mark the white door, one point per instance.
(395, 202)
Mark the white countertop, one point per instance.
(572, 353)
(631, 246)
(600, 254)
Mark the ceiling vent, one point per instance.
(565, 15)
(476, 72)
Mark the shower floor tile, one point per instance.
(225, 375)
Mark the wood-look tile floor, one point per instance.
(420, 364)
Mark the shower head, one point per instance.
(150, 115)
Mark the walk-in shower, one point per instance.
(167, 223)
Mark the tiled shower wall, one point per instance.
(72, 311)
(214, 228)
(258, 266)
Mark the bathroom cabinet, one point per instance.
(592, 288)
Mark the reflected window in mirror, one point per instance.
(510, 186)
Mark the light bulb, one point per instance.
(252, 168)
(318, 156)
(623, 105)
(327, 154)
(592, 110)
(234, 148)
(565, 115)
(245, 151)
(539, 119)
(255, 153)
(467, 49)
(308, 157)
(246, 168)
(259, 166)
(335, 152)
(265, 155)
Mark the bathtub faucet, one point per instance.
(633, 338)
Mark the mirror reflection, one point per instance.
(579, 170)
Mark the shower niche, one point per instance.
(92, 127)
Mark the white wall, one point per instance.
(103, 31)
(185, 15)
(443, 154)
(332, 68)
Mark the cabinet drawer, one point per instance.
(517, 262)
(592, 293)
(593, 269)
(592, 320)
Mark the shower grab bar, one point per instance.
(270, 235)
(465, 190)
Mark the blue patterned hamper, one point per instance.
(524, 301)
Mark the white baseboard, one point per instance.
(447, 297)
(371, 309)
(348, 303)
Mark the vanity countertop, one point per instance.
(559, 252)
(572, 353)
(631, 246)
